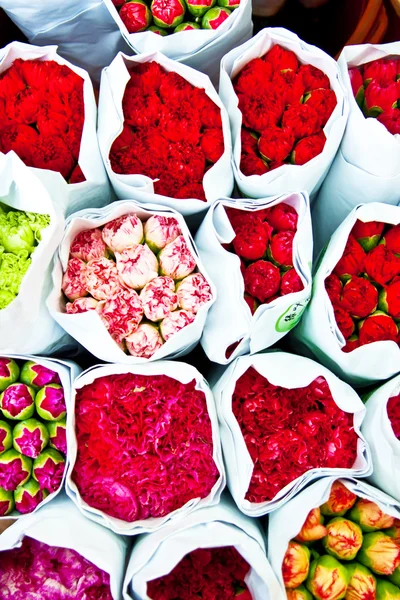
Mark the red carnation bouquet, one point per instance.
(175, 139)
(277, 438)
(133, 477)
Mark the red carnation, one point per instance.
(377, 328)
(251, 240)
(313, 78)
(251, 303)
(251, 164)
(275, 164)
(275, 143)
(352, 261)
(190, 190)
(289, 86)
(179, 123)
(24, 107)
(140, 109)
(382, 69)
(212, 144)
(291, 282)
(249, 141)
(351, 344)
(392, 239)
(380, 97)
(344, 321)
(77, 175)
(359, 297)
(52, 118)
(11, 82)
(282, 217)
(281, 248)
(261, 110)
(324, 102)
(52, 153)
(333, 287)
(175, 88)
(147, 76)
(381, 264)
(262, 280)
(389, 299)
(356, 81)
(281, 59)
(368, 234)
(302, 119)
(209, 112)
(308, 148)
(125, 139)
(393, 412)
(391, 120)
(19, 138)
(187, 164)
(136, 16)
(254, 77)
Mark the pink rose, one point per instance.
(159, 298)
(174, 322)
(137, 266)
(193, 292)
(121, 313)
(102, 280)
(74, 279)
(176, 260)
(88, 245)
(145, 341)
(123, 232)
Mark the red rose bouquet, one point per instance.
(278, 438)
(171, 465)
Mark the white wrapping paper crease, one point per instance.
(288, 177)
(60, 524)
(87, 328)
(289, 371)
(229, 319)
(69, 197)
(384, 445)
(156, 554)
(181, 372)
(217, 182)
(318, 330)
(26, 324)
(367, 167)
(285, 523)
(68, 371)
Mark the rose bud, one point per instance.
(380, 97)
(308, 148)
(198, 8)
(362, 584)
(300, 593)
(275, 143)
(394, 531)
(291, 282)
(251, 302)
(251, 240)
(313, 78)
(164, 32)
(381, 264)
(80, 305)
(251, 164)
(15, 470)
(344, 538)
(9, 372)
(124, 232)
(379, 552)
(301, 119)
(352, 343)
(37, 375)
(281, 59)
(281, 248)
(395, 576)
(324, 102)
(160, 231)
(357, 85)
(212, 144)
(6, 438)
(58, 435)
(333, 287)
(378, 327)
(176, 259)
(352, 261)
(391, 239)
(282, 217)
(48, 469)
(339, 502)
(135, 15)
(262, 280)
(145, 341)
(368, 234)
(50, 402)
(215, 17)
(391, 120)
(18, 402)
(121, 314)
(344, 321)
(74, 279)
(30, 437)
(386, 590)
(313, 528)
(174, 322)
(28, 497)
(88, 245)
(6, 502)
(193, 292)
(168, 13)
(359, 297)
(184, 27)
(102, 279)
(296, 564)
(389, 299)
(369, 516)
(328, 579)
(232, 4)
(159, 298)
(383, 68)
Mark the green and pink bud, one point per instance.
(48, 469)
(198, 8)
(30, 437)
(380, 553)
(58, 435)
(15, 470)
(18, 402)
(135, 15)
(50, 402)
(6, 502)
(189, 26)
(300, 593)
(9, 372)
(339, 502)
(362, 584)
(158, 30)
(369, 516)
(394, 531)
(231, 4)
(296, 564)
(168, 13)
(6, 439)
(344, 538)
(28, 497)
(313, 528)
(385, 590)
(328, 579)
(389, 299)
(215, 17)
(368, 234)
(37, 375)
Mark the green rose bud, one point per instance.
(380, 553)
(300, 593)
(362, 584)
(9, 372)
(198, 8)
(295, 565)
(339, 502)
(344, 538)
(48, 469)
(6, 440)
(158, 30)
(30, 437)
(189, 26)
(231, 4)
(50, 402)
(168, 13)
(328, 579)
(6, 502)
(28, 497)
(37, 375)
(15, 470)
(386, 590)
(17, 402)
(58, 435)
(215, 17)
(369, 516)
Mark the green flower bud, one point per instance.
(380, 553)
(395, 576)
(328, 579)
(344, 538)
(50, 402)
(386, 590)
(339, 502)
(30, 437)
(6, 502)
(187, 26)
(296, 564)
(369, 516)
(9, 372)
(300, 593)
(158, 30)
(37, 375)
(15, 470)
(362, 584)
(17, 402)
(6, 440)
(214, 17)
(394, 531)
(28, 496)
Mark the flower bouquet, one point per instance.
(287, 109)
(128, 284)
(34, 397)
(57, 553)
(164, 133)
(279, 434)
(215, 553)
(159, 419)
(351, 322)
(48, 118)
(339, 538)
(259, 257)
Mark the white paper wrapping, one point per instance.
(289, 371)
(67, 371)
(61, 524)
(181, 372)
(218, 181)
(288, 177)
(318, 329)
(385, 447)
(285, 523)
(230, 319)
(156, 554)
(367, 167)
(69, 197)
(87, 328)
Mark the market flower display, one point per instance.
(20, 234)
(42, 115)
(204, 573)
(37, 570)
(172, 132)
(161, 432)
(285, 106)
(290, 431)
(140, 278)
(32, 435)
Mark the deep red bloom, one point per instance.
(77, 175)
(351, 344)
(141, 109)
(251, 164)
(191, 190)
(282, 217)
(381, 69)
(352, 261)
(308, 148)
(359, 297)
(251, 303)
(392, 299)
(344, 321)
(291, 282)
(135, 16)
(52, 153)
(281, 59)
(393, 411)
(333, 287)
(289, 85)
(19, 138)
(147, 76)
(376, 328)
(382, 95)
(391, 120)
(324, 102)
(313, 78)
(174, 88)
(24, 107)
(212, 144)
(367, 234)
(179, 122)
(261, 110)
(262, 280)
(381, 264)
(301, 119)
(392, 239)
(254, 76)
(209, 112)
(356, 81)
(249, 141)
(125, 139)
(251, 240)
(275, 143)
(281, 248)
